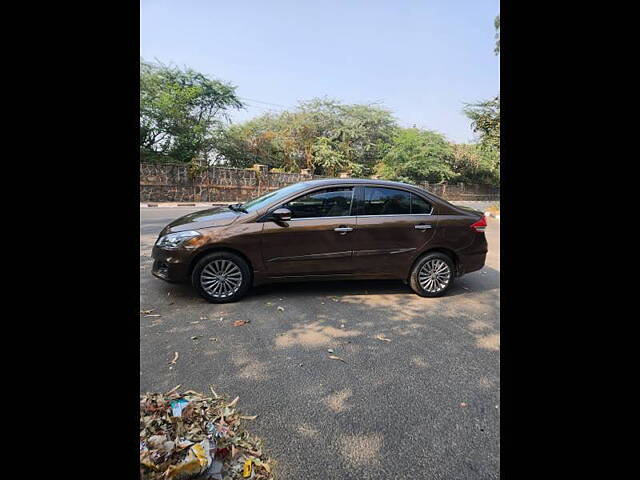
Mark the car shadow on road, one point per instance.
(484, 280)
(487, 279)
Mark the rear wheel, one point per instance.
(432, 275)
(221, 277)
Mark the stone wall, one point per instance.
(463, 191)
(178, 183)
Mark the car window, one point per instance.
(386, 201)
(419, 205)
(329, 202)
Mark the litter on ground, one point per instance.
(193, 436)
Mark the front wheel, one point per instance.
(432, 275)
(221, 277)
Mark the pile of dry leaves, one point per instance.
(192, 436)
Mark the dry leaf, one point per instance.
(175, 359)
(380, 337)
(335, 357)
(173, 389)
(239, 323)
(193, 392)
(146, 311)
(172, 451)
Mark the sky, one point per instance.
(423, 60)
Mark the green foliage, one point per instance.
(327, 156)
(496, 24)
(473, 165)
(184, 118)
(485, 121)
(182, 112)
(417, 156)
(321, 134)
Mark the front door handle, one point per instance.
(342, 230)
(423, 227)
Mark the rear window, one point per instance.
(419, 205)
(386, 201)
(389, 201)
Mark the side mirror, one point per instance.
(281, 214)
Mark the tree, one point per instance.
(496, 24)
(182, 112)
(357, 131)
(321, 134)
(472, 165)
(417, 156)
(481, 162)
(485, 121)
(328, 157)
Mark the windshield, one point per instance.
(272, 197)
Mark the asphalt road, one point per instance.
(424, 405)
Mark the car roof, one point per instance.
(351, 181)
(382, 183)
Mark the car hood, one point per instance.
(213, 217)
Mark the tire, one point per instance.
(442, 264)
(228, 267)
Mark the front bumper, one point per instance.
(170, 265)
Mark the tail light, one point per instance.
(480, 225)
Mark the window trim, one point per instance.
(356, 187)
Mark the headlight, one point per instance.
(176, 240)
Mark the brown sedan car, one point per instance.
(324, 230)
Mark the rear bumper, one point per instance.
(471, 263)
(169, 266)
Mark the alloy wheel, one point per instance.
(221, 278)
(434, 275)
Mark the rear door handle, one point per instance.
(342, 230)
(423, 227)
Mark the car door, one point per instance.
(393, 226)
(318, 240)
